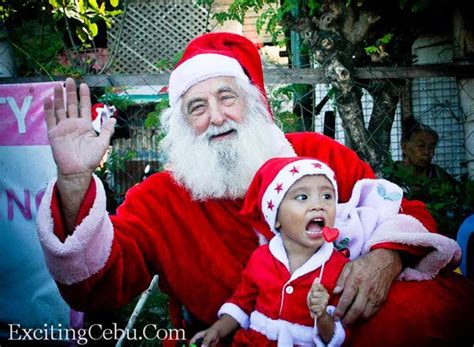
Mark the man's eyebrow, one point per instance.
(226, 89)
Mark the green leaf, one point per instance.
(370, 50)
(80, 6)
(82, 34)
(93, 29)
(94, 4)
(386, 38)
(114, 3)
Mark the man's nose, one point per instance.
(216, 115)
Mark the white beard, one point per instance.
(225, 168)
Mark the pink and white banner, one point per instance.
(28, 295)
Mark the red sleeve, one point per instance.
(56, 210)
(418, 210)
(246, 293)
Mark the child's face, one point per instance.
(306, 208)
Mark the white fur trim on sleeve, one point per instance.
(338, 336)
(407, 230)
(235, 312)
(83, 253)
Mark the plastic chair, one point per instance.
(465, 233)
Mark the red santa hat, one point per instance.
(270, 184)
(216, 55)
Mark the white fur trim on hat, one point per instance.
(287, 176)
(199, 68)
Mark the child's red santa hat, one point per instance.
(216, 55)
(270, 184)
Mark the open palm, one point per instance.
(76, 148)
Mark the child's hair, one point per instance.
(270, 184)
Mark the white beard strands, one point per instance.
(222, 169)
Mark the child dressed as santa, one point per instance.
(284, 295)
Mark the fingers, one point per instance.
(318, 299)
(58, 103)
(71, 99)
(356, 309)
(209, 340)
(370, 309)
(196, 337)
(107, 130)
(347, 298)
(85, 101)
(49, 113)
(341, 281)
(317, 310)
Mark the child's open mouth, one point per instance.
(315, 226)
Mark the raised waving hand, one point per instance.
(76, 148)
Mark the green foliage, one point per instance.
(279, 98)
(152, 120)
(378, 47)
(36, 46)
(167, 65)
(115, 162)
(38, 41)
(449, 201)
(121, 102)
(87, 13)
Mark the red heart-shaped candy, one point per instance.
(330, 234)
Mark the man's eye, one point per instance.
(301, 197)
(228, 99)
(198, 109)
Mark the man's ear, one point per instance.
(277, 225)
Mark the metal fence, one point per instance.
(151, 33)
(434, 102)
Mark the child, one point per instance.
(286, 283)
(298, 199)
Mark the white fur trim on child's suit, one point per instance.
(290, 334)
(235, 312)
(85, 252)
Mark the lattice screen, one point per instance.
(151, 32)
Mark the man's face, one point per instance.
(419, 151)
(213, 101)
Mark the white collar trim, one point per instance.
(277, 249)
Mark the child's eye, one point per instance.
(327, 196)
(301, 197)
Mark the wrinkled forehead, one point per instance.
(210, 86)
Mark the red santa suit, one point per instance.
(270, 302)
(200, 248)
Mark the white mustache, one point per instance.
(214, 130)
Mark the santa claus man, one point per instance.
(184, 224)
